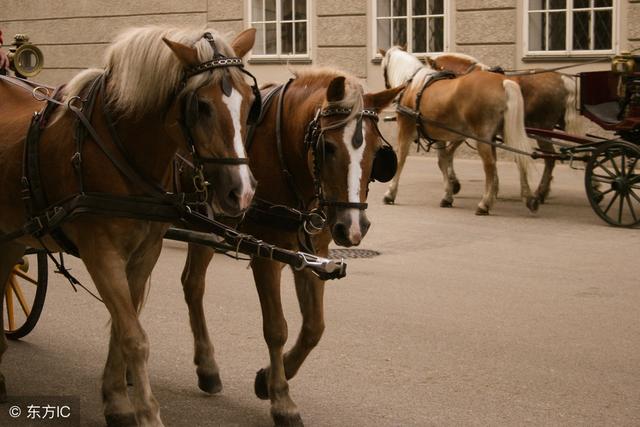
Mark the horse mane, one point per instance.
(322, 77)
(144, 74)
(400, 65)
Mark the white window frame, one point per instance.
(570, 52)
(278, 22)
(409, 17)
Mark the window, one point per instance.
(282, 27)
(570, 26)
(418, 24)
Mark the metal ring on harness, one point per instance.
(71, 103)
(315, 222)
(40, 93)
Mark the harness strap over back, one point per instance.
(431, 79)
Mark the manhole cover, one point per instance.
(352, 253)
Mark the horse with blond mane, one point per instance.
(549, 102)
(314, 153)
(480, 104)
(112, 142)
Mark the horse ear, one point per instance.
(335, 91)
(243, 42)
(187, 55)
(380, 100)
(382, 52)
(403, 47)
(432, 63)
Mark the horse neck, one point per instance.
(298, 111)
(147, 146)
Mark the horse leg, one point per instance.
(193, 284)
(446, 152)
(406, 134)
(310, 293)
(108, 271)
(545, 182)
(271, 383)
(11, 254)
(453, 178)
(118, 410)
(490, 172)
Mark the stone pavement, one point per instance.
(510, 319)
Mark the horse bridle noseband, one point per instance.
(189, 111)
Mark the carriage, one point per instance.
(611, 99)
(548, 102)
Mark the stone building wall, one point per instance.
(74, 33)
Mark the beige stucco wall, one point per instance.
(74, 33)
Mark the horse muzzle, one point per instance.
(232, 189)
(350, 227)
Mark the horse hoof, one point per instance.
(456, 187)
(533, 203)
(388, 200)
(260, 386)
(482, 211)
(210, 383)
(121, 420)
(541, 196)
(288, 420)
(444, 203)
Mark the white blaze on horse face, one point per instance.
(354, 177)
(234, 104)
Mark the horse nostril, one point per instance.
(234, 196)
(340, 230)
(364, 226)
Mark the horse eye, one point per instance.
(204, 108)
(329, 148)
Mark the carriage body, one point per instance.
(611, 99)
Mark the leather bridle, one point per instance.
(189, 116)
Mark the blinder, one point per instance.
(385, 164)
(190, 109)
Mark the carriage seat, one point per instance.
(607, 112)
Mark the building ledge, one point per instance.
(565, 58)
(259, 61)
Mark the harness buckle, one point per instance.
(76, 160)
(200, 183)
(55, 215)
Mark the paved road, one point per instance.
(510, 319)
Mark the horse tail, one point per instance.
(572, 122)
(513, 125)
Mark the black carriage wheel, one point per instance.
(25, 294)
(612, 181)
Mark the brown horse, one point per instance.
(150, 74)
(549, 101)
(301, 179)
(480, 104)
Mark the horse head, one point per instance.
(213, 110)
(349, 155)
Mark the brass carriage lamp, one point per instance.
(624, 63)
(25, 58)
